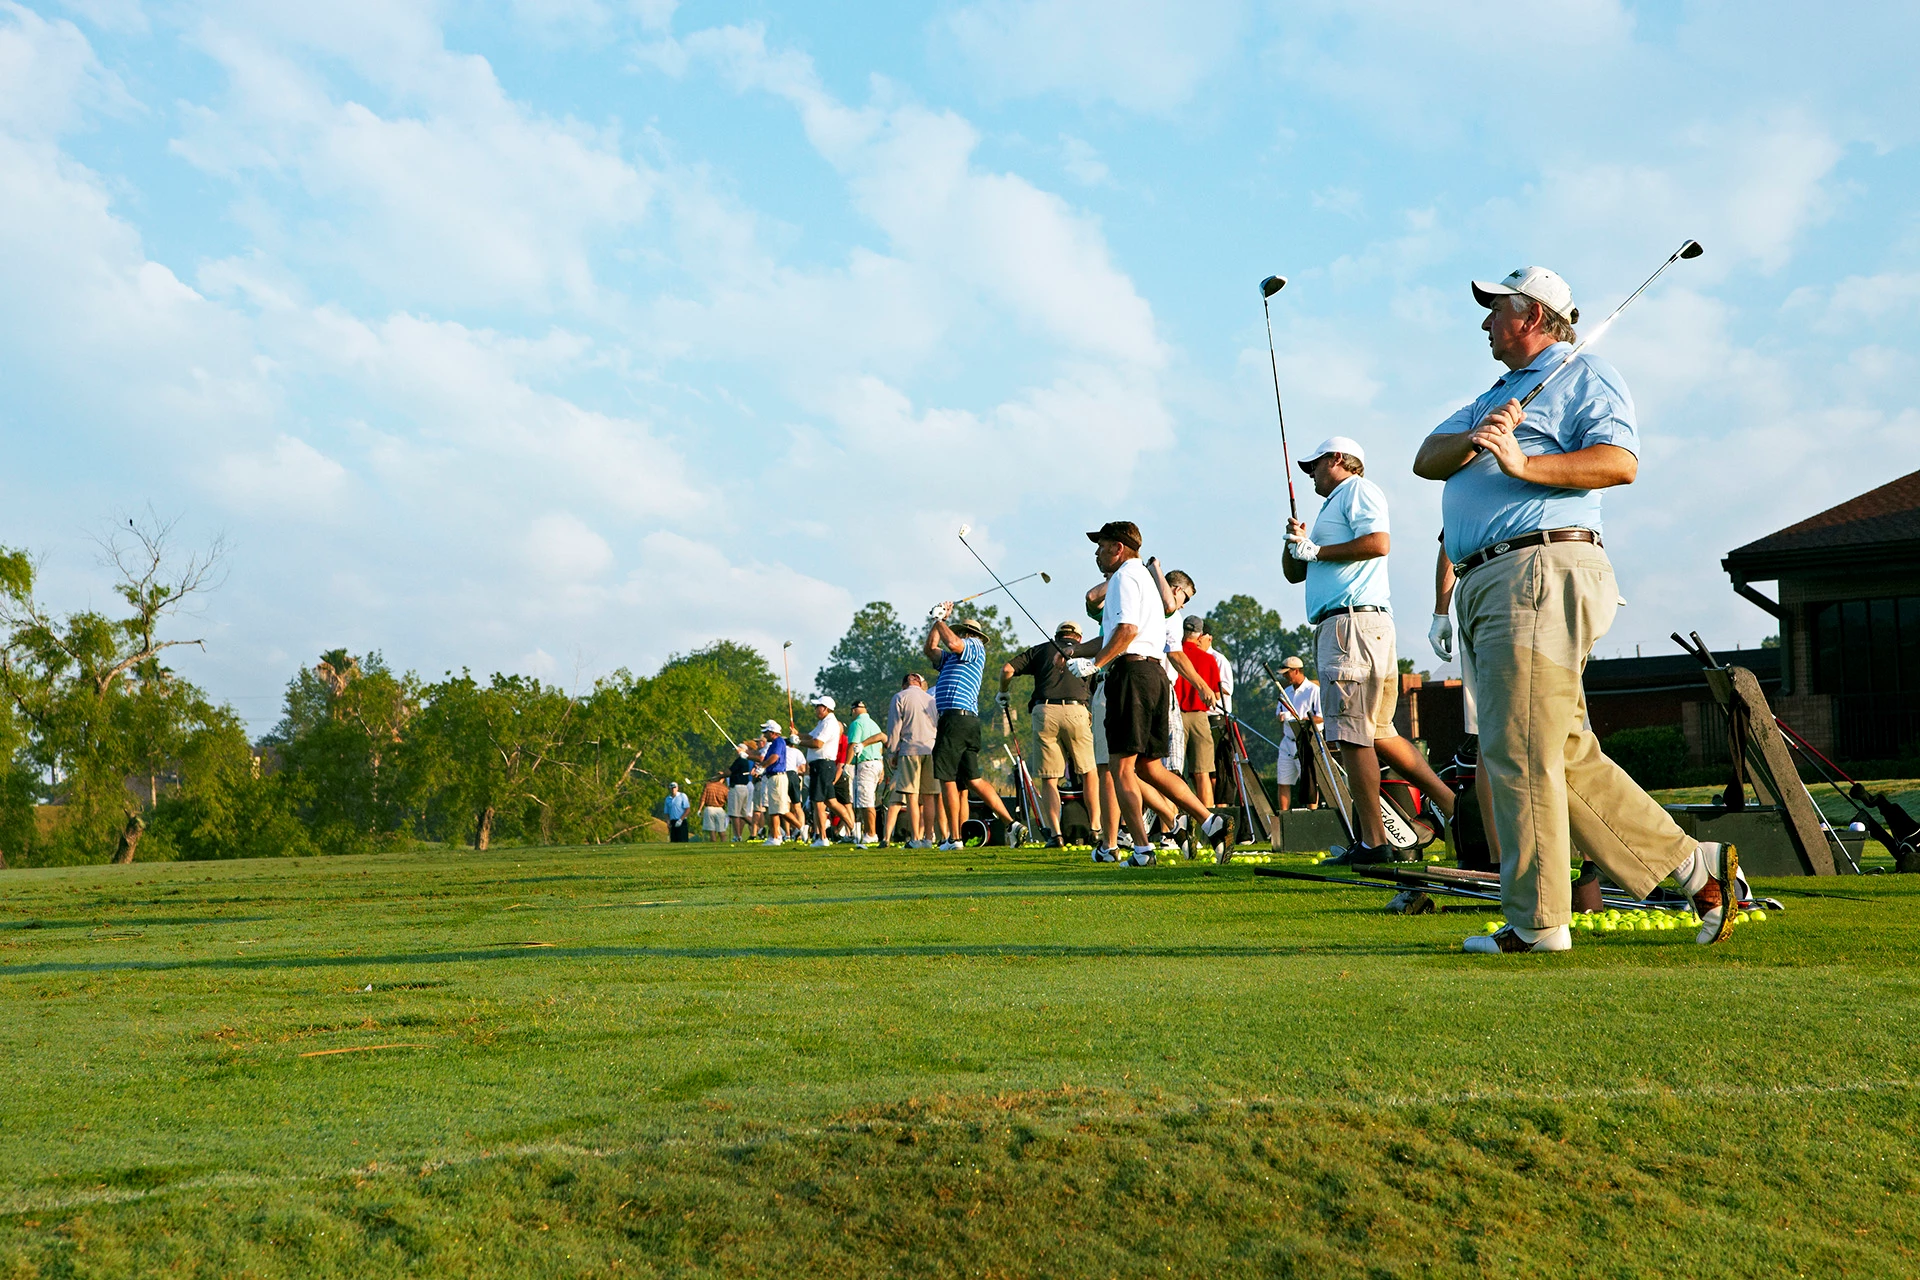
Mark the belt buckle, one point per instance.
(1501, 548)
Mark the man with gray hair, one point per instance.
(1534, 592)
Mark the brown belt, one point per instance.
(1525, 540)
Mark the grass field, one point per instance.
(664, 1060)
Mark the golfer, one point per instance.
(1196, 708)
(1062, 724)
(865, 739)
(1135, 641)
(713, 804)
(740, 791)
(822, 743)
(1535, 591)
(1344, 564)
(960, 653)
(910, 734)
(674, 809)
(776, 759)
(1298, 708)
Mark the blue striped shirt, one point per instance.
(958, 688)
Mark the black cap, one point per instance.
(1125, 532)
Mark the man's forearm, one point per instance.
(1441, 456)
(1117, 643)
(1598, 466)
(1366, 547)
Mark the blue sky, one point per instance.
(560, 335)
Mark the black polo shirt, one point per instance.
(1052, 682)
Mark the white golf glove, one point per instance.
(1000, 700)
(1303, 549)
(1440, 635)
(1084, 668)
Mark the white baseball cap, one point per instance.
(1333, 444)
(1538, 283)
(771, 726)
(826, 701)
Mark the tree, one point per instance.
(868, 662)
(342, 743)
(105, 720)
(1255, 639)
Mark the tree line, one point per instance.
(110, 754)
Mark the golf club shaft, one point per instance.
(990, 590)
(1599, 329)
(1273, 361)
(1016, 599)
(716, 724)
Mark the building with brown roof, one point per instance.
(1848, 604)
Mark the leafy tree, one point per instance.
(1254, 638)
(746, 692)
(106, 721)
(868, 662)
(345, 752)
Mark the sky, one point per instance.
(557, 336)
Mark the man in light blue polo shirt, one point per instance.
(1535, 591)
(1344, 564)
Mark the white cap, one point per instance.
(771, 726)
(824, 700)
(1538, 283)
(1333, 444)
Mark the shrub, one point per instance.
(1656, 756)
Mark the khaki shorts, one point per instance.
(1199, 726)
(1359, 677)
(713, 819)
(1062, 730)
(776, 794)
(913, 776)
(866, 781)
(740, 801)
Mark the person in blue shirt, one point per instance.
(959, 653)
(674, 809)
(1534, 592)
(1344, 564)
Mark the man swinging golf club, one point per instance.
(1535, 591)
(1344, 564)
(959, 653)
(1134, 643)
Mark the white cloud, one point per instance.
(49, 76)
(1082, 163)
(1146, 55)
(292, 478)
(470, 198)
(560, 546)
(118, 16)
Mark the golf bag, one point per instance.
(1471, 848)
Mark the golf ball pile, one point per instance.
(1655, 921)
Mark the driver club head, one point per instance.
(1274, 284)
(1045, 576)
(965, 529)
(1691, 249)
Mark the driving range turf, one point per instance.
(706, 1060)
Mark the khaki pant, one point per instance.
(1199, 752)
(1062, 730)
(1528, 620)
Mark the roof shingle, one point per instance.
(1890, 513)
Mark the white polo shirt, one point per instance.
(1134, 598)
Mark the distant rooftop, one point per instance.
(1879, 526)
(1674, 670)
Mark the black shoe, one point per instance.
(1055, 842)
(1359, 855)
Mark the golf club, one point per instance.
(967, 529)
(1690, 249)
(787, 668)
(1043, 576)
(1268, 287)
(730, 739)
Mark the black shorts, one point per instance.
(956, 747)
(820, 781)
(1137, 708)
(796, 791)
(843, 789)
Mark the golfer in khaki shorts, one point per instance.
(1062, 723)
(1344, 564)
(1535, 591)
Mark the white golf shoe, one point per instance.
(1507, 941)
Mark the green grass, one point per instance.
(1013, 1063)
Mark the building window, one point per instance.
(1866, 646)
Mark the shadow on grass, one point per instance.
(521, 952)
(128, 922)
